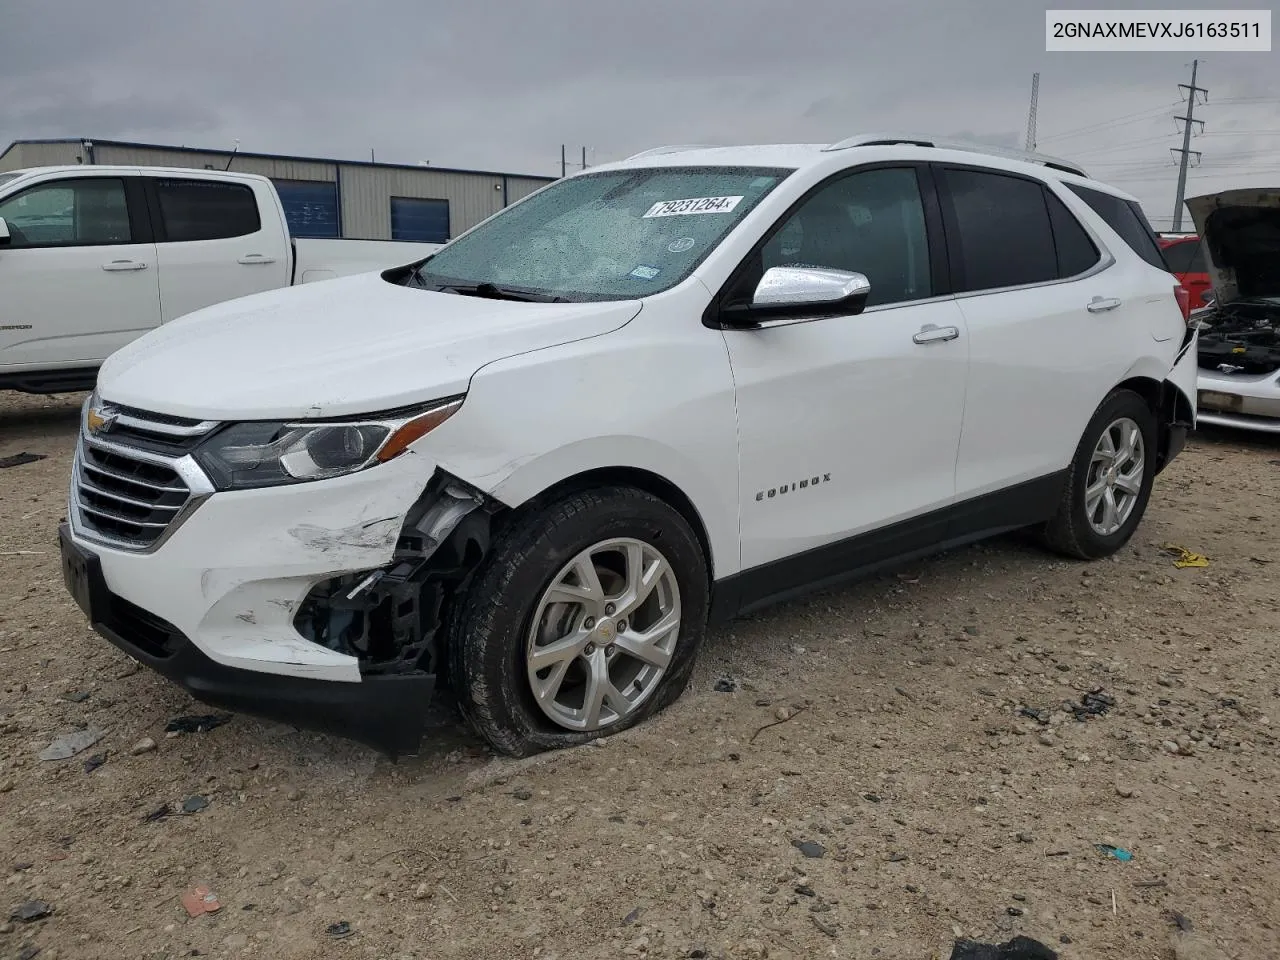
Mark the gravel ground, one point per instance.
(940, 810)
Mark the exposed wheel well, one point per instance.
(1169, 406)
(645, 480)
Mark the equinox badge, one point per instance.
(792, 486)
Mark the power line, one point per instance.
(1107, 123)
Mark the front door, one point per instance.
(849, 424)
(78, 275)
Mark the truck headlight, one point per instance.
(272, 453)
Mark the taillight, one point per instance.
(1183, 296)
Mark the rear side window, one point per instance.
(206, 209)
(1076, 251)
(1186, 256)
(1127, 219)
(1002, 230)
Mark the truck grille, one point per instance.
(127, 493)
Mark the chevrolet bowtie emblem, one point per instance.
(99, 419)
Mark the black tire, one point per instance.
(488, 633)
(1069, 532)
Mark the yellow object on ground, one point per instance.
(1185, 557)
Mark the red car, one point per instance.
(1185, 257)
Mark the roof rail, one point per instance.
(673, 148)
(941, 143)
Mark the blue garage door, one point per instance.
(310, 207)
(426, 221)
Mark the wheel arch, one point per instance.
(641, 479)
(1172, 412)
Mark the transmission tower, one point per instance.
(1186, 152)
(1031, 114)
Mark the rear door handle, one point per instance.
(251, 258)
(932, 333)
(1103, 304)
(116, 265)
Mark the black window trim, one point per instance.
(158, 228)
(134, 205)
(1105, 261)
(939, 268)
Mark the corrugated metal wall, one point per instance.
(285, 169)
(40, 155)
(367, 192)
(520, 187)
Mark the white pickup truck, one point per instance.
(92, 257)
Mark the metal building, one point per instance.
(322, 198)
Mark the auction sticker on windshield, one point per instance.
(692, 205)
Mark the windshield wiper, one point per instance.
(492, 291)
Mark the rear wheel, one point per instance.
(1109, 482)
(585, 619)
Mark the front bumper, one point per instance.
(386, 712)
(1243, 402)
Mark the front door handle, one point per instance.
(252, 258)
(116, 265)
(1103, 304)
(932, 333)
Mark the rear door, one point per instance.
(217, 239)
(78, 275)
(1053, 323)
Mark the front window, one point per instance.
(602, 236)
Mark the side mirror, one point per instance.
(802, 292)
(4, 232)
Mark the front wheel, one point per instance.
(1109, 482)
(585, 619)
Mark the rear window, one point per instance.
(206, 209)
(1076, 251)
(1127, 219)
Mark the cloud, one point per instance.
(502, 86)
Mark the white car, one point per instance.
(94, 256)
(533, 467)
(1239, 382)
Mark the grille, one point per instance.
(133, 485)
(125, 499)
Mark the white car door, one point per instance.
(1054, 322)
(848, 424)
(77, 273)
(216, 240)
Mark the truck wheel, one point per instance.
(1109, 481)
(585, 619)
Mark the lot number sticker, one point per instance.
(691, 206)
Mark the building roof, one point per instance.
(271, 156)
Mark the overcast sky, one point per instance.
(500, 86)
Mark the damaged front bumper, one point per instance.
(386, 712)
(316, 604)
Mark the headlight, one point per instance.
(268, 454)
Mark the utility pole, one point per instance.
(584, 158)
(1186, 151)
(564, 163)
(1031, 115)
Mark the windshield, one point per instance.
(602, 236)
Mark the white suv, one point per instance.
(661, 393)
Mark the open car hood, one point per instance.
(1241, 234)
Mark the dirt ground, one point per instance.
(940, 809)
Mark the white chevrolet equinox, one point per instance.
(533, 467)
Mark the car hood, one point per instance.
(1241, 231)
(347, 346)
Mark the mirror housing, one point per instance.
(802, 292)
(4, 232)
